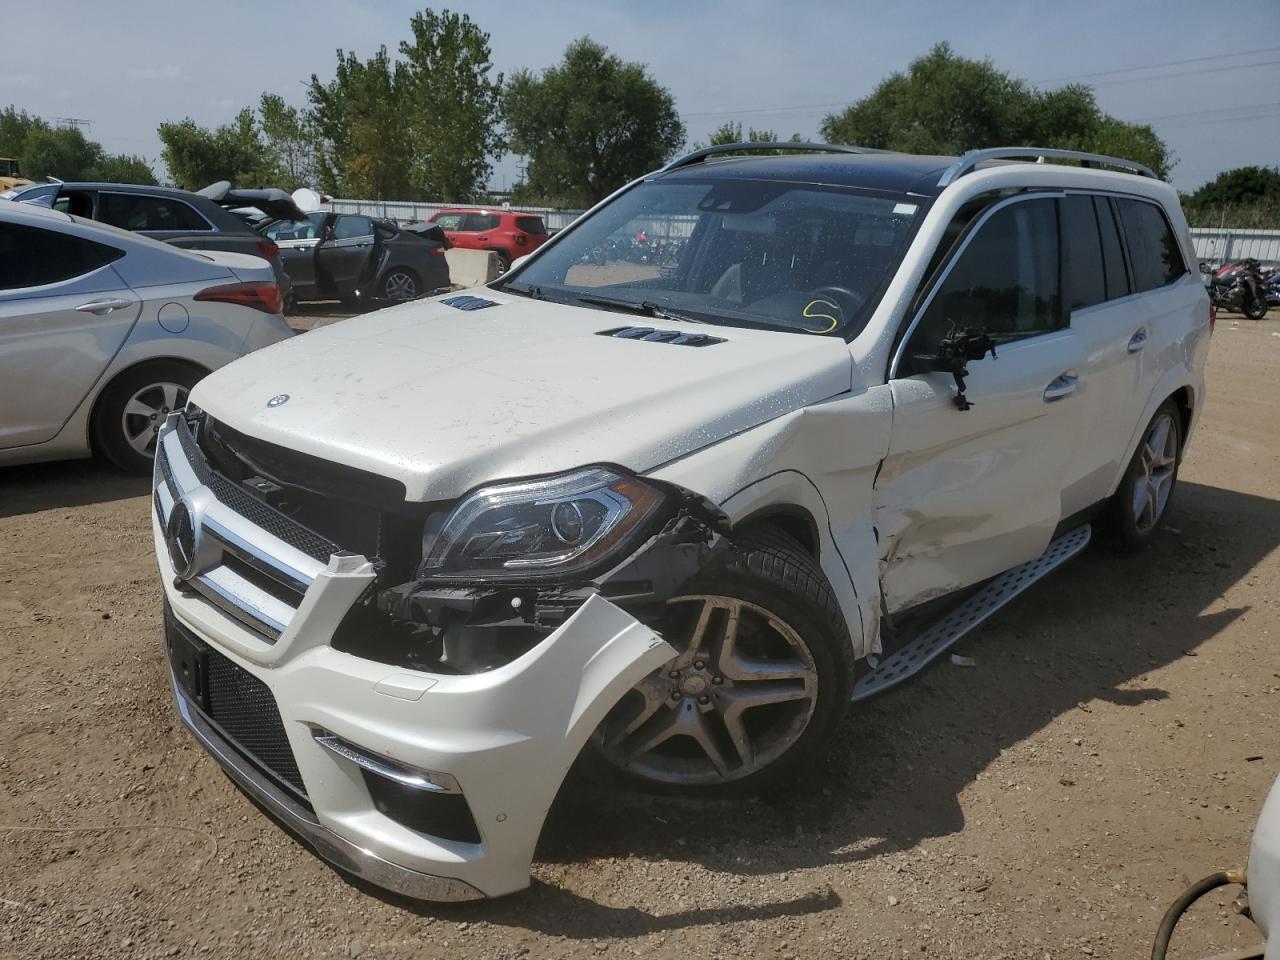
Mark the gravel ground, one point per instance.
(1114, 741)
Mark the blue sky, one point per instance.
(780, 65)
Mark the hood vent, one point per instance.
(677, 337)
(468, 303)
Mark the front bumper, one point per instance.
(503, 739)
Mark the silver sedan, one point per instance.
(103, 332)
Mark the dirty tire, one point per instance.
(772, 577)
(1131, 529)
(111, 427)
(504, 261)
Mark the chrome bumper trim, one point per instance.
(341, 853)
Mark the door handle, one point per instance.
(483, 239)
(101, 308)
(1138, 340)
(1063, 385)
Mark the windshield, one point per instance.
(755, 253)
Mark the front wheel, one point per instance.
(131, 410)
(1141, 503)
(761, 678)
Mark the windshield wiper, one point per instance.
(645, 308)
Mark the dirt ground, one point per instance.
(1114, 741)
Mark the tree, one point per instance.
(947, 104)
(731, 132)
(1246, 197)
(197, 156)
(43, 150)
(424, 127)
(289, 141)
(589, 125)
(454, 106)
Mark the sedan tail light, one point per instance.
(260, 296)
(268, 249)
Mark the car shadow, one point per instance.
(67, 483)
(893, 776)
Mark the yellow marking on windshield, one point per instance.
(821, 316)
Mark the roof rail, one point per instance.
(700, 155)
(970, 161)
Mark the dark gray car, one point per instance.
(354, 258)
(195, 221)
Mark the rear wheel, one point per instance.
(504, 261)
(1255, 308)
(1141, 503)
(131, 410)
(400, 284)
(761, 677)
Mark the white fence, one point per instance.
(410, 210)
(1223, 246)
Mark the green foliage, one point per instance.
(1246, 197)
(43, 151)
(589, 125)
(289, 140)
(731, 132)
(947, 104)
(423, 127)
(197, 156)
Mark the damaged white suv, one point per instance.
(756, 436)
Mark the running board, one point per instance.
(905, 663)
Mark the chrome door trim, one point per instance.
(901, 349)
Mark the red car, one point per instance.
(505, 232)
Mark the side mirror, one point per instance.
(955, 350)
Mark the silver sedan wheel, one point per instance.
(739, 695)
(400, 286)
(1157, 465)
(145, 412)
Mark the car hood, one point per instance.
(443, 399)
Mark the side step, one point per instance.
(906, 662)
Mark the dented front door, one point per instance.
(965, 494)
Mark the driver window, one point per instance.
(1004, 282)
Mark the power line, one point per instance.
(1178, 75)
(1153, 66)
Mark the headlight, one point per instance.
(541, 528)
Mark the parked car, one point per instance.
(678, 514)
(103, 333)
(354, 258)
(507, 233)
(194, 221)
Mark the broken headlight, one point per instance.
(544, 528)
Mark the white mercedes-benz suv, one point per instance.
(755, 437)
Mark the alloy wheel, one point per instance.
(400, 286)
(739, 694)
(1157, 465)
(145, 412)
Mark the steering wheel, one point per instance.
(829, 308)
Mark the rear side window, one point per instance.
(1005, 281)
(481, 221)
(448, 221)
(31, 257)
(349, 227)
(1153, 248)
(1083, 280)
(130, 211)
(533, 225)
(1117, 274)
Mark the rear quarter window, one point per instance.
(1154, 253)
(533, 225)
(32, 257)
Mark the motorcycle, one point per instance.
(1241, 288)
